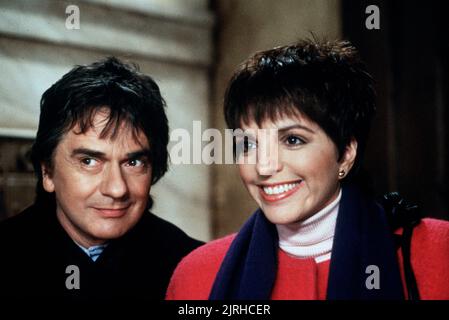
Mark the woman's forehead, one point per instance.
(282, 119)
(262, 111)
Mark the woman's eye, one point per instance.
(249, 145)
(244, 146)
(293, 140)
(90, 162)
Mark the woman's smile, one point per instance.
(278, 191)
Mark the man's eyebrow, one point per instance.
(139, 154)
(88, 152)
(101, 155)
(295, 126)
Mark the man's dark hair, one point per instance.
(325, 81)
(131, 98)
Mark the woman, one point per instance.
(315, 235)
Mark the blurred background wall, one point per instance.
(191, 48)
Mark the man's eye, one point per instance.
(90, 162)
(136, 163)
(293, 140)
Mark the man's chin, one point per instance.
(102, 236)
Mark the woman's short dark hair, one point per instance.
(325, 81)
(132, 98)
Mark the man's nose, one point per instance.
(114, 184)
(268, 161)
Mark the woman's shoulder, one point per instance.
(431, 239)
(432, 231)
(430, 258)
(211, 250)
(195, 274)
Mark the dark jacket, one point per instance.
(35, 252)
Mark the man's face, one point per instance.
(101, 184)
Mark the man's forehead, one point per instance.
(125, 136)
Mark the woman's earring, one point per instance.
(341, 173)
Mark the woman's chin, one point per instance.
(282, 216)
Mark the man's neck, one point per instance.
(76, 234)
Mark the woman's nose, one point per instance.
(268, 161)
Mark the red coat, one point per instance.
(303, 279)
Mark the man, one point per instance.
(100, 146)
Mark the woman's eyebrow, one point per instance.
(248, 133)
(295, 126)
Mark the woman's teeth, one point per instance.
(280, 188)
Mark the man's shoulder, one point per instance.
(160, 225)
(21, 238)
(20, 224)
(167, 234)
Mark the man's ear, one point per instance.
(348, 159)
(47, 180)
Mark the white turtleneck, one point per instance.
(313, 237)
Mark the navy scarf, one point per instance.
(362, 238)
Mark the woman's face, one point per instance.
(304, 175)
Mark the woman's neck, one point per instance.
(313, 237)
